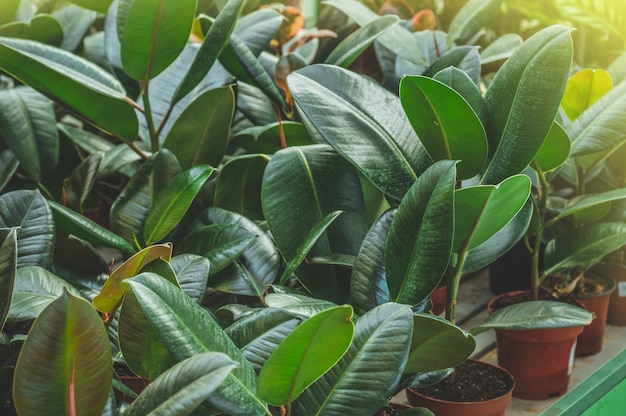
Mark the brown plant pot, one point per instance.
(540, 360)
(590, 340)
(491, 407)
(616, 314)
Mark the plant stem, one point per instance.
(154, 136)
(541, 210)
(454, 280)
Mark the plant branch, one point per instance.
(454, 280)
(154, 136)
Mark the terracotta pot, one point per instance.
(493, 407)
(540, 360)
(590, 340)
(438, 299)
(616, 314)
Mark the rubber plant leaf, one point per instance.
(8, 268)
(529, 86)
(188, 330)
(459, 81)
(82, 227)
(445, 123)
(581, 203)
(113, 289)
(437, 344)
(42, 28)
(298, 304)
(154, 34)
(213, 43)
(172, 203)
(473, 16)
(82, 86)
(101, 6)
(501, 48)
(554, 151)
(583, 89)
(481, 211)
(535, 315)
(30, 211)
(64, 367)
(583, 246)
(363, 122)
(312, 349)
(34, 289)
(182, 388)
(389, 324)
(266, 139)
(420, 238)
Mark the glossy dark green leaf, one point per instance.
(88, 90)
(200, 134)
(501, 48)
(8, 267)
(481, 211)
(154, 34)
(8, 167)
(84, 228)
(363, 122)
(214, 42)
(390, 325)
(78, 185)
(420, 237)
(354, 44)
(266, 139)
(181, 389)
(312, 349)
(30, 211)
(535, 315)
(301, 186)
(76, 22)
(41, 28)
(466, 58)
(445, 123)
(64, 366)
(115, 286)
(258, 350)
(555, 149)
(172, 203)
(98, 5)
(187, 330)
(28, 125)
(437, 344)
(459, 81)
(33, 290)
(528, 86)
(471, 18)
(238, 186)
(298, 304)
(255, 324)
(583, 246)
(368, 283)
(577, 205)
(192, 273)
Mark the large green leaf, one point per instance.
(64, 367)
(588, 201)
(34, 289)
(305, 355)
(238, 186)
(155, 33)
(214, 42)
(192, 273)
(82, 227)
(420, 238)
(181, 389)
(298, 304)
(8, 267)
(501, 48)
(200, 134)
(259, 349)
(8, 167)
(41, 28)
(248, 328)
(354, 44)
(583, 89)
(481, 211)
(76, 22)
(535, 315)
(79, 184)
(466, 58)
(115, 286)
(471, 18)
(363, 122)
(266, 139)
(437, 344)
(28, 126)
(85, 88)
(583, 246)
(187, 330)
(389, 327)
(301, 186)
(459, 81)
(554, 151)
(172, 203)
(30, 211)
(445, 123)
(529, 86)
(368, 283)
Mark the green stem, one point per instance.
(454, 280)
(535, 279)
(154, 135)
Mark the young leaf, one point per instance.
(155, 33)
(115, 286)
(305, 355)
(583, 89)
(182, 388)
(65, 365)
(445, 123)
(172, 203)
